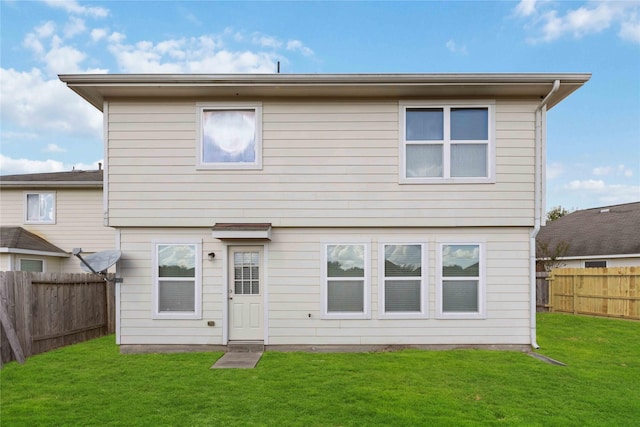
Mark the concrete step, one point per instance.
(245, 346)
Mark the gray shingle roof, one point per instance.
(607, 230)
(19, 238)
(72, 178)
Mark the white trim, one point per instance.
(201, 107)
(482, 279)
(225, 292)
(26, 207)
(225, 288)
(105, 173)
(424, 282)
(32, 252)
(197, 313)
(118, 245)
(590, 257)
(446, 143)
(324, 311)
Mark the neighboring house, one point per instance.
(608, 236)
(311, 210)
(45, 215)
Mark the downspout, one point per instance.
(540, 146)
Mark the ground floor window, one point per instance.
(460, 289)
(177, 285)
(33, 265)
(345, 284)
(403, 280)
(595, 264)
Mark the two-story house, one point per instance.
(320, 210)
(43, 216)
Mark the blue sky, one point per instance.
(593, 151)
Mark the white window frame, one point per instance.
(26, 207)
(424, 289)
(482, 286)
(324, 293)
(201, 107)
(43, 261)
(446, 143)
(197, 313)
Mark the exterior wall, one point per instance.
(79, 221)
(611, 262)
(293, 273)
(325, 163)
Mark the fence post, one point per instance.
(574, 291)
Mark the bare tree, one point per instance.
(550, 256)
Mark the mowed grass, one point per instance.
(91, 384)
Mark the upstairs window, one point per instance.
(40, 208)
(229, 136)
(446, 143)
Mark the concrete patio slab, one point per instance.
(236, 360)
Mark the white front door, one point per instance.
(245, 290)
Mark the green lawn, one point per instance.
(92, 384)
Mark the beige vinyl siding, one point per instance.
(293, 272)
(325, 163)
(79, 221)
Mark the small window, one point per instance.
(595, 264)
(446, 143)
(404, 270)
(177, 284)
(40, 208)
(461, 283)
(33, 265)
(229, 136)
(346, 281)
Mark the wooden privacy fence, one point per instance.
(610, 292)
(43, 311)
(542, 291)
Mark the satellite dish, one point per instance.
(98, 262)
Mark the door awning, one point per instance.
(237, 231)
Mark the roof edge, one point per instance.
(51, 184)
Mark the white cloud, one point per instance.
(29, 101)
(33, 40)
(594, 17)
(98, 34)
(189, 55)
(116, 37)
(554, 170)
(9, 166)
(298, 46)
(630, 31)
(72, 6)
(54, 148)
(455, 48)
(604, 193)
(74, 27)
(64, 59)
(266, 41)
(620, 170)
(526, 8)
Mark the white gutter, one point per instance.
(541, 139)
